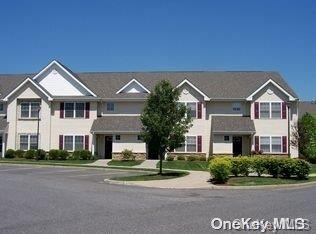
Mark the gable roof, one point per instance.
(41, 89)
(215, 85)
(129, 83)
(68, 71)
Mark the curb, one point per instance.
(217, 187)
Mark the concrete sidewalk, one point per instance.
(148, 164)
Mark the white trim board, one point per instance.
(22, 84)
(130, 82)
(185, 81)
(250, 97)
(54, 62)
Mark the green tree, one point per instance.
(304, 136)
(165, 120)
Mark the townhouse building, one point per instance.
(234, 113)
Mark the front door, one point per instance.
(237, 145)
(108, 147)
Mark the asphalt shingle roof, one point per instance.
(117, 124)
(232, 124)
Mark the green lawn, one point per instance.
(185, 165)
(313, 170)
(155, 176)
(126, 163)
(250, 181)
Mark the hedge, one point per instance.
(273, 166)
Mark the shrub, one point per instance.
(170, 158)
(258, 165)
(30, 154)
(53, 154)
(128, 155)
(241, 166)
(85, 155)
(63, 155)
(40, 154)
(287, 167)
(180, 157)
(19, 154)
(302, 169)
(9, 153)
(312, 158)
(191, 158)
(201, 158)
(75, 155)
(220, 169)
(272, 166)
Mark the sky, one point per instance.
(163, 35)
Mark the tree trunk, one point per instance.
(161, 156)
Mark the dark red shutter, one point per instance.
(284, 144)
(199, 110)
(257, 148)
(61, 142)
(87, 110)
(199, 144)
(256, 110)
(61, 110)
(283, 110)
(86, 142)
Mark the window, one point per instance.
(265, 144)
(236, 106)
(110, 106)
(192, 109)
(264, 110)
(1, 107)
(69, 110)
(191, 144)
(79, 142)
(118, 137)
(74, 109)
(79, 110)
(73, 142)
(30, 109)
(68, 143)
(271, 144)
(276, 144)
(226, 138)
(276, 110)
(139, 137)
(28, 141)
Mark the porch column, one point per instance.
(3, 145)
(93, 144)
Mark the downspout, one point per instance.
(288, 131)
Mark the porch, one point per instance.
(113, 134)
(232, 135)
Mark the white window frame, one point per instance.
(110, 104)
(74, 111)
(73, 141)
(270, 109)
(30, 109)
(196, 107)
(270, 143)
(185, 145)
(29, 139)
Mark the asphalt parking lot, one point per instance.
(43, 199)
